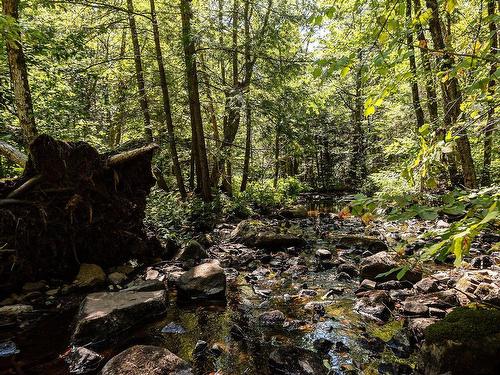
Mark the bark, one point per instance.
(276, 156)
(452, 98)
(490, 123)
(248, 148)
(430, 84)
(143, 98)
(194, 101)
(417, 107)
(13, 154)
(166, 104)
(19, 78)
(119, 120)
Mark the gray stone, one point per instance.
(117, 278)
(323, 254)
(383, 262)
(145, 286)
(427, 285)
(206, 280)
(146, 360)
(273, 318)
(14, 310)
(192, 253)
(81, 360)
(414, 308)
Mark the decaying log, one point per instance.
(13, 154)
(27, 186)
(123, 157)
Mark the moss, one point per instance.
(465, 323)
(386, 331)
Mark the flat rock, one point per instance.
(371, 243)
(144, 286)
(116, 278)
(14, 310)
(81, 360)
(381, 262)
(146, 360)
(103, 315)
(296, 361)
(272, 318)
(258, 234)
(414, 308)
(206, 280)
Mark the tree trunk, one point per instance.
(248, 148)
(276, 156)
(430, 84)
(166, 104)
(452, 98)
(13, 154)
(490, 123)
(122, 97)
(143, 98)
(194, 100)
(417, 107)
(19, 78)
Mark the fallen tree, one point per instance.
(73, 205)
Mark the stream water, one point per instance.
(317, 305)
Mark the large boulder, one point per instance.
(382, 262)
(192, 253)
(259, 234)
(467, 341)
(104, 315)
(206, 280)
(146, 360)
(89, 276)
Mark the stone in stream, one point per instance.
(415, 308)
(14, 310)
(206, 280)
(173, 328)
(258, 234)
(485, 284)
(323, 254)
(81, 360)
(274, 318)
(146, 360)
(8, 349)
(427, 285)
(191, 254)
(116, 278)
(440, 300)
(348, 268)
(89, 276)
(374, 305)
(144, 286)
(373, 244)
(382, 262)
(104, 315)
(296, 361)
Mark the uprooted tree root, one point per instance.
(73, 205)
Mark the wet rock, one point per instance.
(152, 274)
(366, 285)
(81, 360)
(415, 308)
(335, 291)
(89, 276)
(394, 285)
(394, 369)
(484, 283)
(34, 286)
(200, 348)
(191, 254)
(322, 345)
(437, 313)
(308, 293)
(173, 328)
(274, 318)
(418, 325)
(482, 262)
(374, 305)
(427, 285)
(144, 286)
(323, 254)
(289, 360)
(440, 300)
(382, 262)
(295, 212)
(296, 270)
(373, 344)
(103, 315)
(343, 276)
(340, 347)
(258, 234)
(117, 278)
(206, 280)
(8, 349)
(465, 342)
(14, 310)
(348, 268)
(217, 349)
(146, 360)
(318, 308)
(373, 244)
(400, 346)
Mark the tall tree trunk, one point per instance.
(19, 78)
(430, 84)
(122, 97)
(452, 97)
(143, 98)
(490, 123)
(248, 148)
(166, 104)
(276, 156)
(417, 107)
(194, 100)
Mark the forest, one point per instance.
(249, 187)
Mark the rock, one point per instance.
(81, 360)
(440, 300)
(342, 276)
(394, 368)
(340, 347)
(8, 349)
(367, 285)
(348, 268)
(34, 286)
(482, 262)
(217, 349)
(103, 315)
(144, 286)
(374, 305)
(373, 244)
(200, 348)
(418, 325)
(394, 285)
(373, 344)
(437, 313)
(296, 361)
(173, 328)
(467, 341)
(322, 345)
(152, 274)
(484, 283)
(414, 308)
(89, 276)
(323, 254)
(400, 346)
(296, 212)
(274, 318)
(204, 281)
(308, 293)
(192, 253)
(146, 360)
(317, 308)
(382, 262)
(427, 285)
(116, 278)
(258, 234)
(14, 310)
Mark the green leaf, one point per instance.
(403, 272)
(450, 5)
(370, 110)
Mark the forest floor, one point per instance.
(301, 297)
